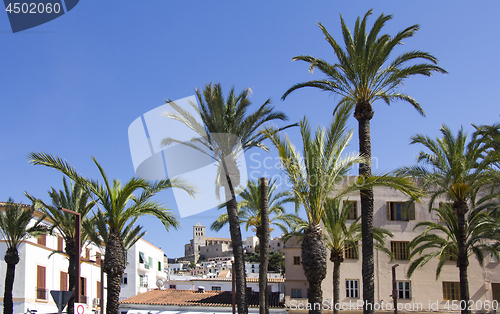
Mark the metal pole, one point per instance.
(234, 287)
(78, 250)
(394, 289)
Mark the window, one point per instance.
(172, 286)
(41, 292)
(98, 287)
(143, 281)
(451, 290)
(216, 288)
(87, 253)
(42, 240)
(63, 281)
(150, 262)
(279, 244)
(400, 250)
(452, 256)
(124, 279)
(141, 258)
(397, 211)
(159, 266)
(350, 252)
(297, 293)
(60, 244)
(353, 212)
(403, 290)
(83, 290)
(352, 288)
(296, 260)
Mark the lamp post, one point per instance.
(394, 289)
(77, 252)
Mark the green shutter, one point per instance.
(411, 214)
(142, 259)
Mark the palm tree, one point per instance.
(441, 239)
(341, 236)
(226, 131)
(317, 176)
(15, 227)
(120, 209)
(361, 76)
(453, 169)
(249, 209)
(75, 198)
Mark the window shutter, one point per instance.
(411, 212)
(63, 281)
(388, 208)
(60, 243)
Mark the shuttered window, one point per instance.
(41, 292)
(353, 209)
(451, 290)
(350, 252)
(63, 281)
(42, 240)
(400, 250)
(60, 243)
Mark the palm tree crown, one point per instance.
(17, 223)
(440, 239)
(249, 208)
(362, 73)
(226, 130)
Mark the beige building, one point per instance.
(420, 292)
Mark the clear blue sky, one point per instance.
(72, 86)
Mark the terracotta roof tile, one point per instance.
(195, 298)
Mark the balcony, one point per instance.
(41, 294)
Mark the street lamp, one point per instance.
(77, 252)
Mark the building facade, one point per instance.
(145, 266)
(420, 292)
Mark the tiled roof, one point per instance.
(195, 298)
(248, 279)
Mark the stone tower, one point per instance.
(199, 239)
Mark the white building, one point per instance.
(37, 274)
(145, 267)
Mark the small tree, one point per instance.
(16, 226)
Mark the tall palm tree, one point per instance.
(317, 176)
(361, 76)
(227, 130)
(119, 208)
(341, 236)
(440, 240)
(453, 169)
(15, 227)
(249, 209)
(75, 198)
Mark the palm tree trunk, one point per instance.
(314, 265)
(336, 285)
(11, 258)
(231, 171)
(114, 265)
(463, 260)
(70, 250)
(264, 252)
(364, 113)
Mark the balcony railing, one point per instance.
(41, 294)
(83, 299)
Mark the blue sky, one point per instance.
(71, 87)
